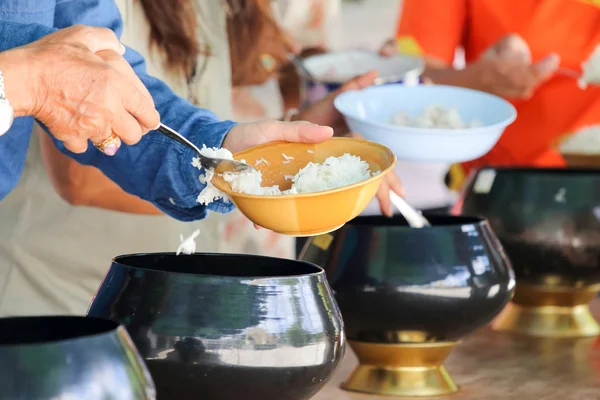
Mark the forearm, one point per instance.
(440, 73)
(454, 77)
(164, 174)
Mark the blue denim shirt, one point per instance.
(156, 169)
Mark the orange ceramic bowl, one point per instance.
(308, 214)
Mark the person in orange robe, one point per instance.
(522, 50)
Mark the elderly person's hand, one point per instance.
(505, 69)
(77, 94)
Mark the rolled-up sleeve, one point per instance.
(156, 169)
(431, 28)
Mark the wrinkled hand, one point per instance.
(323, 112)
(82, 95)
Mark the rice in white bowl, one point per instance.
(333, 173)
(584, 141)
(591, 69)
(435, 116)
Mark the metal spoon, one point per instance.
(575, 74)
(206, 162)
(414, 218)
(298, 62)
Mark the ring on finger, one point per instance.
(110, 145)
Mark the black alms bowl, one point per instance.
(548, 220)
(48, 358)
(226, 327)
(395, 284)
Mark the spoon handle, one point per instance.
(173, 134)
(413, 217)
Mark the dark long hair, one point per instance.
(252, 30)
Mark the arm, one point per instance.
(81, 185)
(163, 174)
(425, 29)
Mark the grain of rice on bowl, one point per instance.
(301, 189)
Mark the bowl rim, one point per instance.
(541, 170)
(240, 155)
(318, 270)
(418, 69)
(432, 131)
(110, 329)
(462, 220)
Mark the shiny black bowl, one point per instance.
(409, 295)
(394, 283)
(548, 220)
(226, 327)
(70, 358)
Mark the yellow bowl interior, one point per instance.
(310, 213)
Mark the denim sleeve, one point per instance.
(16, 34)
(156, 169)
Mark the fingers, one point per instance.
(76, 145)
(96, 39)
(395, 184)
(137, 99)
(126, 127)
(305, 132)
(120, 64)
(383, 196)
(300, 132)
(546, 67)
(360, 82)
(140, 107)
(389, 48)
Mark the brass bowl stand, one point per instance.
(414, 369)
(556, 312)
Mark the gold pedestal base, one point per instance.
(549, 312)
(401, 369)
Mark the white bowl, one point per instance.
(369, 112)
(340, 66)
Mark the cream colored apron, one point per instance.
(53, 256)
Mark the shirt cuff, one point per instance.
(212, 135)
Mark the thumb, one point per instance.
(547, 66)
(389, 48)
(300, 132)
(359, 82)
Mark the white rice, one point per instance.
(315, 177)
(591, 69)
(210, 193)
(287, 158)
(188, 245)
(260, 161)
(585, 141)
(435, 116)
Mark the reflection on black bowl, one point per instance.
(70, 358)
(548, 220)
(226, 327)
(407, 295)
